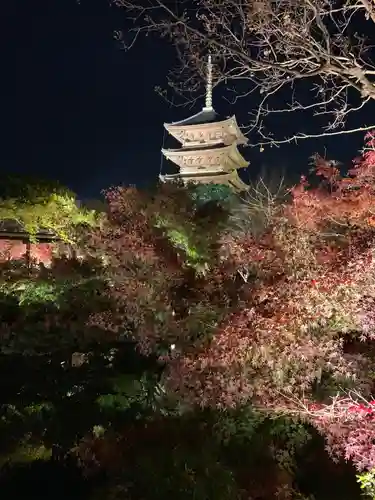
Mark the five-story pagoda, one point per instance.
(209, 152)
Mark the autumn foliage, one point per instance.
(242, 310)
(274, 318)
(158, 249)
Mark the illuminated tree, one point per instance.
(36, 205)
(307, 298)
(223, 312)
(161, 258)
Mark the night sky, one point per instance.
(77, 108)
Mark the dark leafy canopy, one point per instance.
(202, 456)
(60, 375)
(46, 309)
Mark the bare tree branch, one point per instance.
(275, 48)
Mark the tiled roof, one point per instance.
(204, 116)
(10, 229)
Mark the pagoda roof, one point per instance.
(226, 178)
(223, 149)
(201, 148)
(207, 115)
(205, 119)
(196, 175)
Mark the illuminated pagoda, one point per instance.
(209, 147)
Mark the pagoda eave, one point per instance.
(225, 178)
(224, 158)
(198, 151)
(187, 132)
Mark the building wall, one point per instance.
(16, 250)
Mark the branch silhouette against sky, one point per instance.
(310, 56)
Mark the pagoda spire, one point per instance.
(208, 104)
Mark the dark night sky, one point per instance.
(77, 108)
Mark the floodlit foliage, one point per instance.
(367, 482)
(239, 314)
(301, 289)
(260, 314)
(200, 321)
(36, 205)
(347, 421)
(161, 256)
(102, 403)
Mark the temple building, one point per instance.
(209, 147)
(16, 243)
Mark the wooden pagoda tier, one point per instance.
(206, 159)
(230, 179)
(209, 152)
(216, 165)
(204, 128)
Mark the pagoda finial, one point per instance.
(208, 105)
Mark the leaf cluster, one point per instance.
(35, 206)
